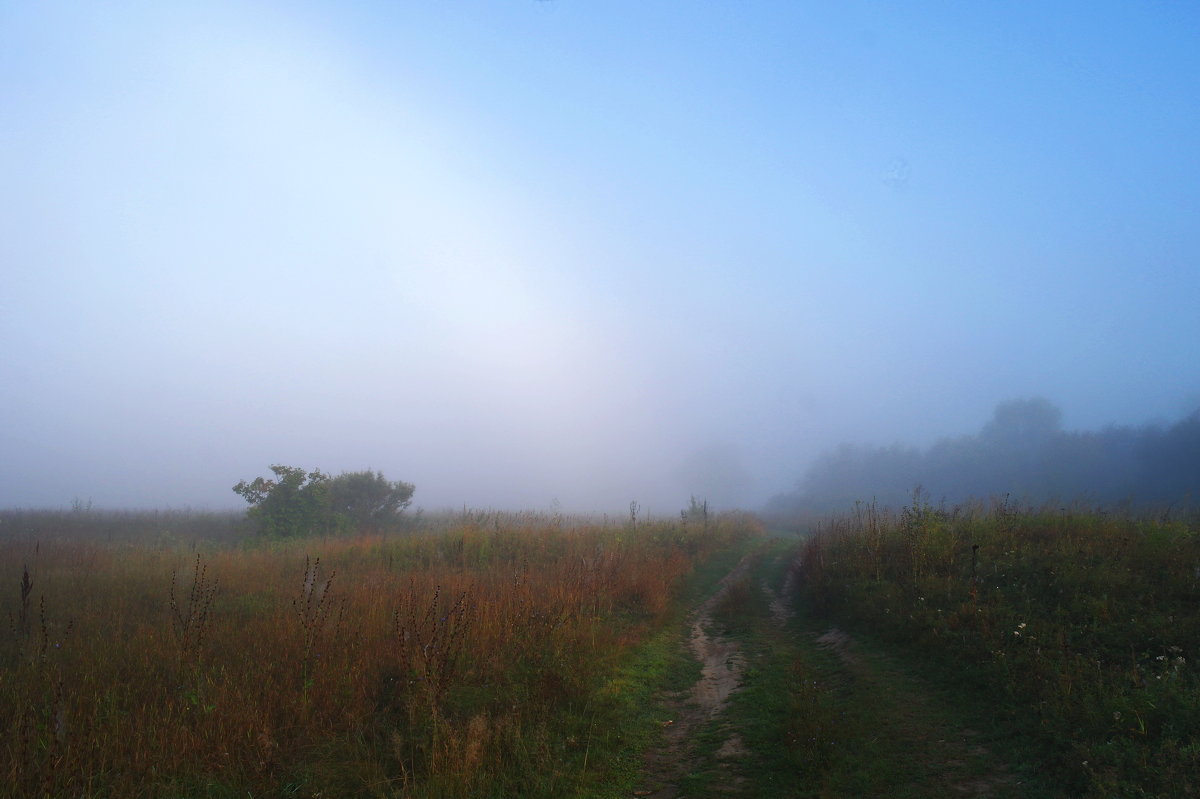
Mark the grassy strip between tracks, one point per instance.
(838, 717)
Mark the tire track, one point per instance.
(722, 668)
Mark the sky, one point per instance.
(560, 254)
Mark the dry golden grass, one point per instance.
(422, 666)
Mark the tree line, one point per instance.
(1022, 452)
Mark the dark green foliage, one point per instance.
(368, 500)
(300, 503)
(296, 503)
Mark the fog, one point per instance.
(573, 255)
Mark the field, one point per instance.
(977, 651)
(480, 659)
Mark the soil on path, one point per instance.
(722, 667)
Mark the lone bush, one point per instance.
(300, 503)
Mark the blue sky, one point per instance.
(527, 252)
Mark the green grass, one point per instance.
(634, 710)
(1075, 632)
(814, 725)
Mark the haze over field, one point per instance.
(524, 253)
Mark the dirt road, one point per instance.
(722, 668)
(881, 731)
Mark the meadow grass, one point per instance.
(169, 527)
(1077, 631)
(479, 661)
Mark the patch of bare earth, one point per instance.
(781, 603)
(722, 666)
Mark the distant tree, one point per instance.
(368, 500)
(299, 503)
(696, 513)
(1023, 423)
(295, 503)
(852, 472)
(1169, 462)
